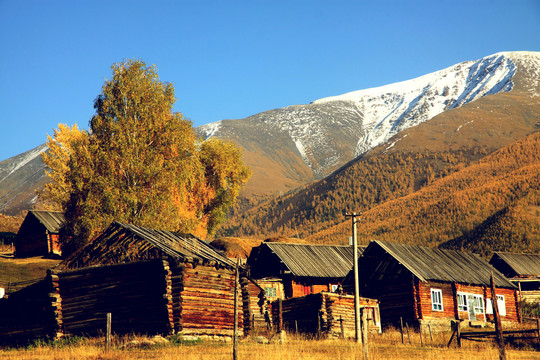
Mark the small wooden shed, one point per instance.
(39, 234)
(521, 269)
(432, 286)
(304, 269)
(324, 314)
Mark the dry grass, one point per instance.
(23, 270)
(385, 346)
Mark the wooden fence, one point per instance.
(491, 335)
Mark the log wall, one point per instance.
(207, 301)
(137, 294)
(397, 299)
(450, 306)
(324, 314)
(29, 313)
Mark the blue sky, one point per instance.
(231, 59)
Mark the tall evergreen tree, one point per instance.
(141, 163)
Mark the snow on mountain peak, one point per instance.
(392, 108)
(370, 117)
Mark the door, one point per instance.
(471, 302)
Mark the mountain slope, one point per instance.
(459, 204)
(20, 177)
(318, 138)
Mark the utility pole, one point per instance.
(356, 286)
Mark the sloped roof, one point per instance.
(443, 265)
(523, 265)
(321, 261)
(124, 242)
(52, 220)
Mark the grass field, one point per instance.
(384, 346)
(21, 272)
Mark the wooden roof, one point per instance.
(121, 243)
(442, 265)
(52, 220)
(321, 261)
(522, 265)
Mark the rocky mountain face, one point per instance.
(304, 142)
(479, 102)
(20, 177)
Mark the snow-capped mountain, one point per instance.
(333, 130)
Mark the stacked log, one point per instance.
(208, 301)
(138, 295)
(177, 279)
(300, 313)
(339, 314)
(325, 313)
(52, 281)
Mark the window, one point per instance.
(478, 304)
(500, 304)
(436, 300)
(462, 302)
(334, 287)
(270, 292)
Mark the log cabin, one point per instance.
(521, 269)
(192, 286)
(422, 285)
(303, 269)
(39, 234)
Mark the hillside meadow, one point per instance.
(384, 346)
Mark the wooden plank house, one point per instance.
(424, 285)
(151, 281)
(521, 269)
(303, 269)
(39, 234)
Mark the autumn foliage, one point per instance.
(140, 163)
(473, 199)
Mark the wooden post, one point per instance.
(319, 325)
(421, 339)
(365, 334)
(296, 326)
(498, 325)
(108, 332)
(401, 329)
(538, 329)
(343, 330)
(430, 335)
(280, 316)
(356, 286)
(408, 334)
(235, 334)
(458, 333)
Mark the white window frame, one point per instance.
(479, 304)
(436, 300)
(270, 291)
(464, 306)
(500, 303)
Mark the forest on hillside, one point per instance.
(358, 186)
(493, 204)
